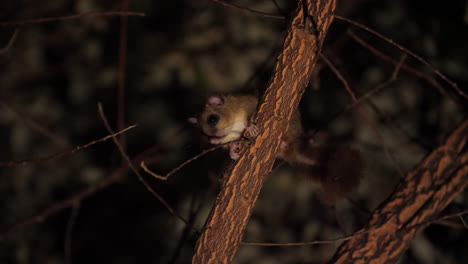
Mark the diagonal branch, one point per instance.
(241, 186)
(420, 196)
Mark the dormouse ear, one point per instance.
(193, 120)
(215, 100)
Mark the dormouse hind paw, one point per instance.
(234, 150)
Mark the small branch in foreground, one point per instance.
(10, 42)
(412, 54)
(364, 97)
(132, 167)
(204, 152)
(317, 242)
(61, 154)
(33, 124)
(61, 18)
(431, 80)
(463, 221)
(69, 202)
(363, 113)
(445, 217)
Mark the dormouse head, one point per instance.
(215, 118)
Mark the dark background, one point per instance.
(53, 75)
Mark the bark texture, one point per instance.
(241, 186)
(418, 199)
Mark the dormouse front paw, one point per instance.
(252, 130)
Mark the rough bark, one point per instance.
(241, 185)
(418, 199)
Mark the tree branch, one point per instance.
(418, 199)
(241, 186)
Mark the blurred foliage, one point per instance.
(54, 74)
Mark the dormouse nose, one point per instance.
(212, 120)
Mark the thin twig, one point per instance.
(379, 87)
(463, 221)
(387, 119)
(193, 213)
(132, 167)
(345, 238)
(363, 113)
(361, 99)
(412, 54)
(61, 154)
(69, 202)
(69, 232)
(317, 242)
(35, 125)
(429, 79)
(400, 130)
(115, 176)
(450, 224)
(248, 10)
(61, 18)
(204, 152)
(10, 42)
(453, 215)
(428, 222)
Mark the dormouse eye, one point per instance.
(212, 120)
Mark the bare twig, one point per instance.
(398, 66)
(464, 212)
(379, 87)
(204, 152)
(61, 18)
(10, 42)
(450, 224)
(248, 10)
(132, 167)
(393, 124)
(79, 197)
(463, 221)
(398, 129)
(429, 79)
(361, 99)
(343, 238)
(193, 213)
(35, 125)
(317, 242)
(61, 154)
(412, 54)
(363, 114)
(437, 220)
(69, 202)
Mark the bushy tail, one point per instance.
(338, 168)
